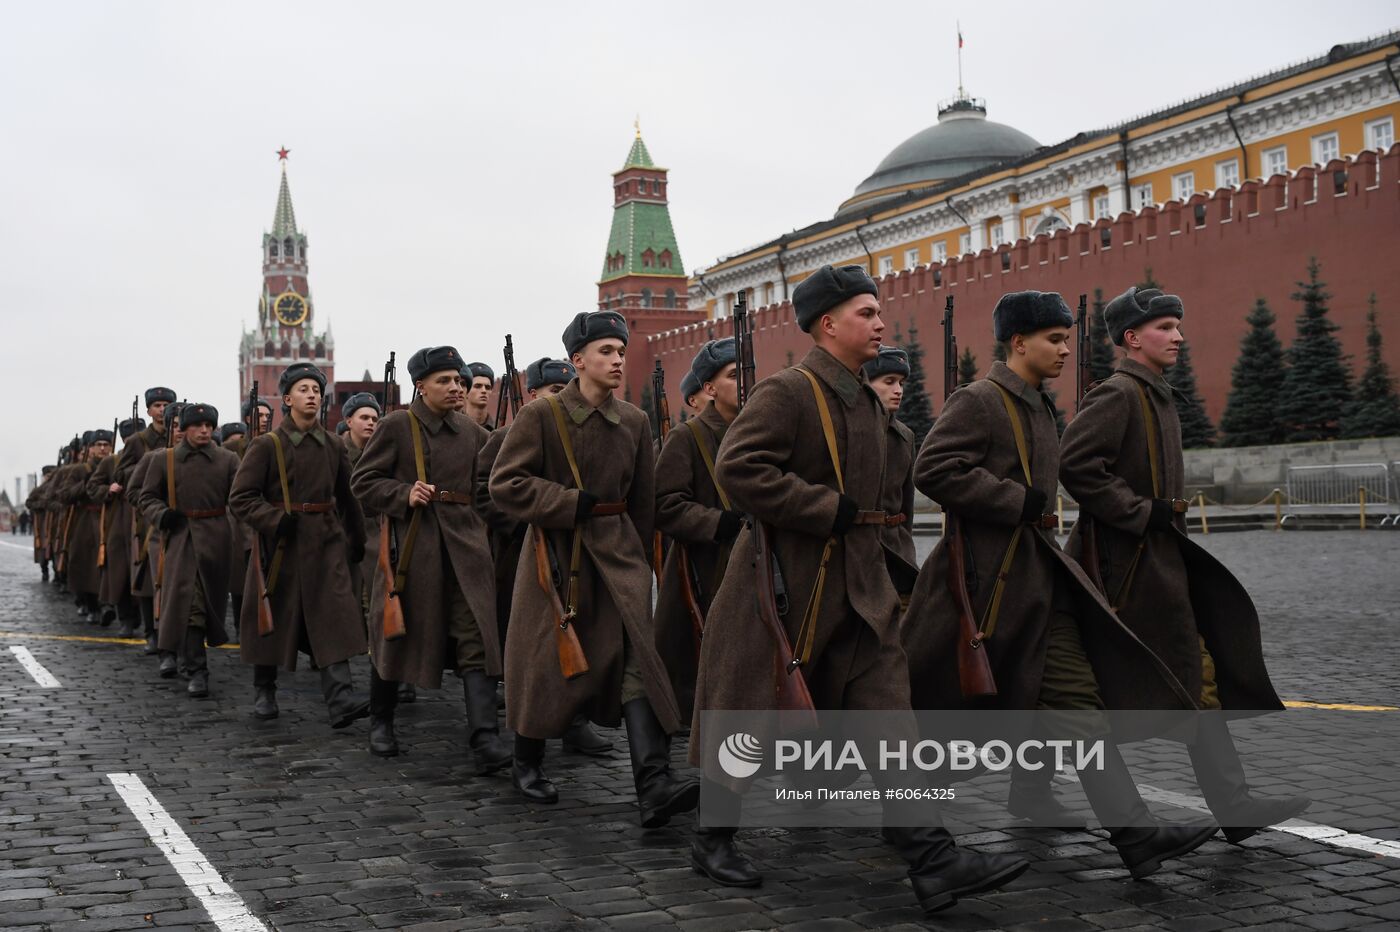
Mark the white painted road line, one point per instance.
(5, 543)
(225, 908)
(1313, 831)
(36, 669)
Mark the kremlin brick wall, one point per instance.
(1219, 251)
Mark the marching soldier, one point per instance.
(690, 392)
(992, 462)
(544, 376)
(237, 444)
(84, 535)
(360, 414)
(806, 456)
(887, 373)
(479, 379)
(235, 437)
(697, 515)
(185, 493)
(578, 467)
(114, 557)
(293, 491)
(418, 474)
(124, 483)
(37, 503)
(63, 506)
(1121, 459)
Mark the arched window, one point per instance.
(646, 297)
(664, 260)
(288, 249)
(648, 259)
(1049, 224)
(671, 297)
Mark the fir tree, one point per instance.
(1147, 280)
(1317, 385)
(1256, 384)
(1059, 415)
(915, 410)
(1102, 357)
(1196, 429)
(967, 368)
(1375, 412)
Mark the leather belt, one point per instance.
(308, 508)
(882, 518)
(198, 513)
(1049, 522)
(609, 508)
(1180, 505)
(456, 498)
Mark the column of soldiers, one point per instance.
(434, 539)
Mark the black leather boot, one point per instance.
(713, 853)
(169, 666)
(148, 624)
(940, 871)
(1220, 774)
(408, 694)
(197, 659)
(342, 705)
(484, 736)
(1032, 796)
(383, 697)
(265, 692)
(582, 739)
(527, 772)
(660, 793)
(1142, 843)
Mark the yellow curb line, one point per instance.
(1340, 706)
(129, 642)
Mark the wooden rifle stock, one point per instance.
(974, 670)
(686, 570)
(393, 608)
(265, 626)
(572, 662)
(790, 686)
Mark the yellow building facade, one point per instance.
(968, 184)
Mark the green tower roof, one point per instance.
(639, 157)
(284, 221)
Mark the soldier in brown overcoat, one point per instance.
(693, 510)
(992, 462)
(887, 373)
(820, 494)
(37, 503)
(578, 466)
(1121, 460)
(185, 495)
(418, 474)
(84, 576)
(237, 444)
(358, 417)
(478, 379)
(124, 483)
(311, 528)
(114, 561)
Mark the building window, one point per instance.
(886, 265)
(1142, 195)
(1227, 173)
(768, 294)
(1380, 134)
(998, 233)
(671, 297)
(287, 252)
(1326, 148)
(1101, 208)
(1183, 185)
(911, 258)
(1275, 162)
(940, 252)
(646, 297)
(965, 244)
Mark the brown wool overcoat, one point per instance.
(507, 535)
(360, 572)
(898, 498)
(115, 525)
(311, 599)
(1179, 591)
(62, 509)
(203, 546)
(775, 466)
(532, 483)
(688, 510)
(450, 545)
(83, 576)
(970, 466)
(238, 562)
(37, 503)
(145, 543)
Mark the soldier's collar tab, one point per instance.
(841, 380)
(1156, 381)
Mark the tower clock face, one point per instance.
(291, 308)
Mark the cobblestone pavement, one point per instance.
(312, 832)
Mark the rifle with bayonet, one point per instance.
(509, 398)
(974, 670)
(790, 686)
(390, 377)
(102, 516)
(661, 428)
(255, 561)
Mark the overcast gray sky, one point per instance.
(450, 162)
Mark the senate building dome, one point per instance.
(963, 140)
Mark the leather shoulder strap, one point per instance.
(828, 427)
(170, 476)
(1018, 431)
(282, 474)
(418, 463)
(702, 443)
(1151, 429)
(564, 439)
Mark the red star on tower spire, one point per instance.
(282, 154)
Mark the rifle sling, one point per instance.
(576, 546)
(421, 470)
(276, 565)
(807, 631)
(988, 623)
(702, 444)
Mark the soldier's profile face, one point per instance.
(1158, 342)
(442, 390)
(853, 329)
(362, 424)
(724, 388)
(156, 411)
(553, 389)
(890, 388)
(1043, 352)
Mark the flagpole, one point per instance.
(961, 92)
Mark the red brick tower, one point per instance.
(643, 276)
(283, 334)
